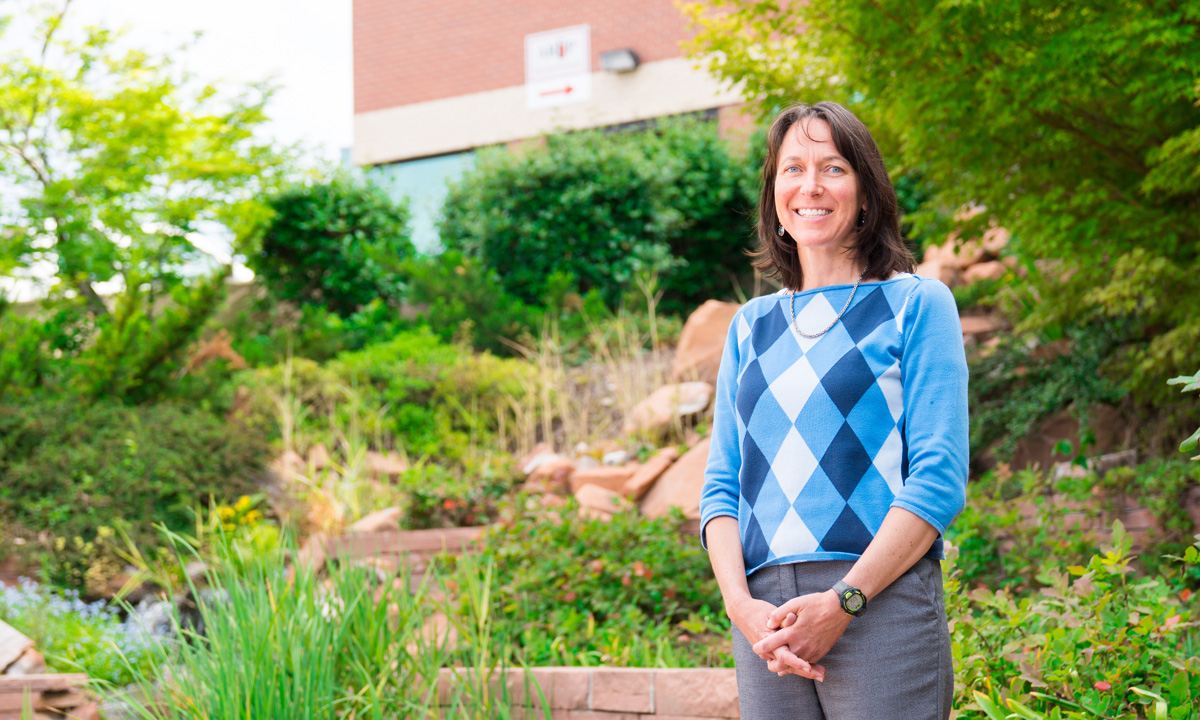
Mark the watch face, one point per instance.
(854, 603)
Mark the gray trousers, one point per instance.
(894, 660)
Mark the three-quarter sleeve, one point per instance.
(720, 494)
(933, 370)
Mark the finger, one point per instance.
(777, 616)
(767, 645)
(788, 621)
(794, 664)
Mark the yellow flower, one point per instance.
(243, 504)
(105, 532)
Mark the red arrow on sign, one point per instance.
(566, 91)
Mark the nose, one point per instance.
(810, 184)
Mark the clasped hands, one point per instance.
(795, 635)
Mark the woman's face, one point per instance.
(817, 194)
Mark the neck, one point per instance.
(825, 269)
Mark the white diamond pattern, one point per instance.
(815, 314)
(794, 464)
(793, 537)
(893, 391)
(887, 461)
(792, 388)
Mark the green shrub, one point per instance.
(433, 399)
(1090, 645)
(577, 590)
(72, 467)
(715, 191)
(598, 208)
(1012, 388)
(443, 497)
(336, 244)
(268, 331)
(461, 298)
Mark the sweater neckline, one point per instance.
(896, 277)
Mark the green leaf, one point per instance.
(1190, 444)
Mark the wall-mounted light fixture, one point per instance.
(619, 61)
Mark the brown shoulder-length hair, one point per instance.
(879, 243)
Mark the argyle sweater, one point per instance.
(814, 440)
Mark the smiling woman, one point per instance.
(839, 445)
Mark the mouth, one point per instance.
(812, 212)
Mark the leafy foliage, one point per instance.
(593, 210)
(576, 590)
(337, 244)
(1012, 389)
(72, 469)
(429, 397)
(1098, 642)
(1189, 383)
(77, 636)
(115, 162)
(1074, 124)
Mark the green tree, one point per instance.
(114, 161)
(1075, 125)
(337, 244)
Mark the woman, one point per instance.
(839, 448)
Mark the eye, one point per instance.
(791, 168)
(836, 170)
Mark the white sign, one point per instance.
(558, 67)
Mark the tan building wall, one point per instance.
(414, 51)
(434, 78)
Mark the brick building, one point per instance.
(434, 80)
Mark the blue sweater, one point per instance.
(815, 440)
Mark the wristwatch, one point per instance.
(851, 598)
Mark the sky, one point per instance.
(305, 45)
(302, 46)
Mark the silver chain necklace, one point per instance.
(801, 333)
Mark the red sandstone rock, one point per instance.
(978, 325)
(609, 478)
(31, 662)
(378, 521)
(698, 355)
(680, 485)
(642, 480)
(552, 476)
(318, 456)
(382, 465)
(995, 240)
(666, 404)
(989, 270)
(938, 269)
(13, 645)
(595, 501)
(539, 451)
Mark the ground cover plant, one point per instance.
(630, 590)
(1097, 641)
(75, 635)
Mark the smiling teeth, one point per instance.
(812, 213)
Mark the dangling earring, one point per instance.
(862, 218)
(780, 231)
